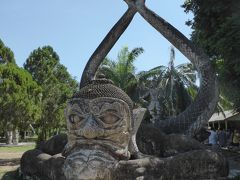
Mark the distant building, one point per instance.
(227, 120)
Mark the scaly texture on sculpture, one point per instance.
(102, 125)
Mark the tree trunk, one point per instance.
(9, 137)
(24, 135)
(15, 138)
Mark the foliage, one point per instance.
(19, 97)
(122, 71)
(176, 84)
(6, 54)
(216, 27)
(57, 84)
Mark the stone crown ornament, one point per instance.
(103, 88)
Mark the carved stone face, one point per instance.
(88, 164)
(98, 136)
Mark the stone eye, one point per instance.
(109, 117)
(74, 119)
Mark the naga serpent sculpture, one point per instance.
(197, 114)
(102, 124)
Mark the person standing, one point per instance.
(229, 135)
(222, 138)
(236, 138)
(213, 138)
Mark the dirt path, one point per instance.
(9, 162)
(10, 159)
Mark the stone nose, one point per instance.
(89, 133)
(91, 129)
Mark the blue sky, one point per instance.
(74, 28)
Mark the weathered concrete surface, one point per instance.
(100, 126)
(38, 165)
(196, 164)
(54, 145)
(152, 141)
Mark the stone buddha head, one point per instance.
(99, 122)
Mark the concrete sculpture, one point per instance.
(104, 140)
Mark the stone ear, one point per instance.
(138, 115)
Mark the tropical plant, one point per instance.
(122, 70)
(176, 84)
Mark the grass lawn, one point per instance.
(16, 149)
(10, 160)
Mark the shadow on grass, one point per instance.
(11, 175)
(9, 162)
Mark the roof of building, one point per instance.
(229, 115)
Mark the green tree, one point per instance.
(122, 70)
(57, 84)
(19, 98)
(216, 27)
(6, 54)
(176, 85)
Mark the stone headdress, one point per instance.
(103, 88)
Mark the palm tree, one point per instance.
(176, 84)
(122, 70)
